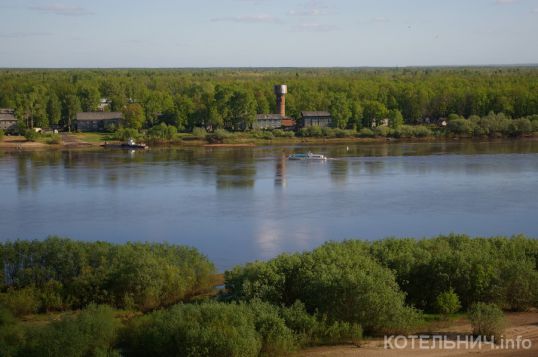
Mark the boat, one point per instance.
(307, 156)
(131, 144)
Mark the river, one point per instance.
(242, 204)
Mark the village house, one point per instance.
(321, 119)
(98, 121)
(8, 121)
(267, 121)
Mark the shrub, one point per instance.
(199, 133)
(382, 131)
(279, 133)
(262, 134)
(341, 133)
(487, 320)
(421, 131)
(209, 329)
(277, 338)
(11, 333)
(218, 136)
(328, 132)
(1, 135)
(54, 139)
(313, 330)
(31, 134)
(311, 131)
(519, 127)
(125, 134)
(448, 302)
(366, 133)
(21, 301)
(460, 126)
(90, 333)
(337, 279)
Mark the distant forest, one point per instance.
(222, 98)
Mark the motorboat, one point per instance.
(307, 156)
(131, 144)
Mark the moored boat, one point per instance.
(307, 156)
(131, 144)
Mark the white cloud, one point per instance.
(535, 10)
(62, 9)
(24, 34)
(505, 2)
(380, 19)
(315, 27)
(249, 19)
(310, 8)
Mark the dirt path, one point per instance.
(519, 324)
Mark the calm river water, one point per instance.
(242, 204)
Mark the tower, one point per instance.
(280, 92)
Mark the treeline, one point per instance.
(230, 99)
(61, 274)
(330, 295)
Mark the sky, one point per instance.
(267, 33)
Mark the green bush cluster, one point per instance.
(218, 136)
(487, 320)
(161, 133)
(491, 125)
(57, 274)
(499, 270)
(199, 133)
(448, 302)
(31, 134)
(125, 134)
(338, 279)
(279, 133)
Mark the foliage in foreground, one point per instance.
(337, 279)
(58, 274)
(487, 320)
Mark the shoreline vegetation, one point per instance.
(215, 106)
(87, 141)
(61, 296)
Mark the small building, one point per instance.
(321, 119)
(8, 121)
(380, 122)
(104, 104)
(288, 124)
(98, 121)
(267, 121)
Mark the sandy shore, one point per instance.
(518, 324)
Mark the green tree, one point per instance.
(133, 116)
(340, 110)
(396, 119)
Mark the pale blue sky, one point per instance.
(267, 33)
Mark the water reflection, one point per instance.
(241, 204)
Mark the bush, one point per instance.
(61, 273)
(460, 126)
(11, 333)
(199, 133)
(218, 136)
(262, 134)
(162, 132)
(209, 329)
(21, 301)
(448, 303)
(31, 134)
(1, 135)
(279, 133)
(328, 132)
(366, 133)
(54, 139)
(314, 330)
(337, 279)
(382, 131)
(487, 320)
(311, 131)
(90, 333)
(125, 134)
(422, 131)
(519, 127)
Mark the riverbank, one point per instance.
(87, 141)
